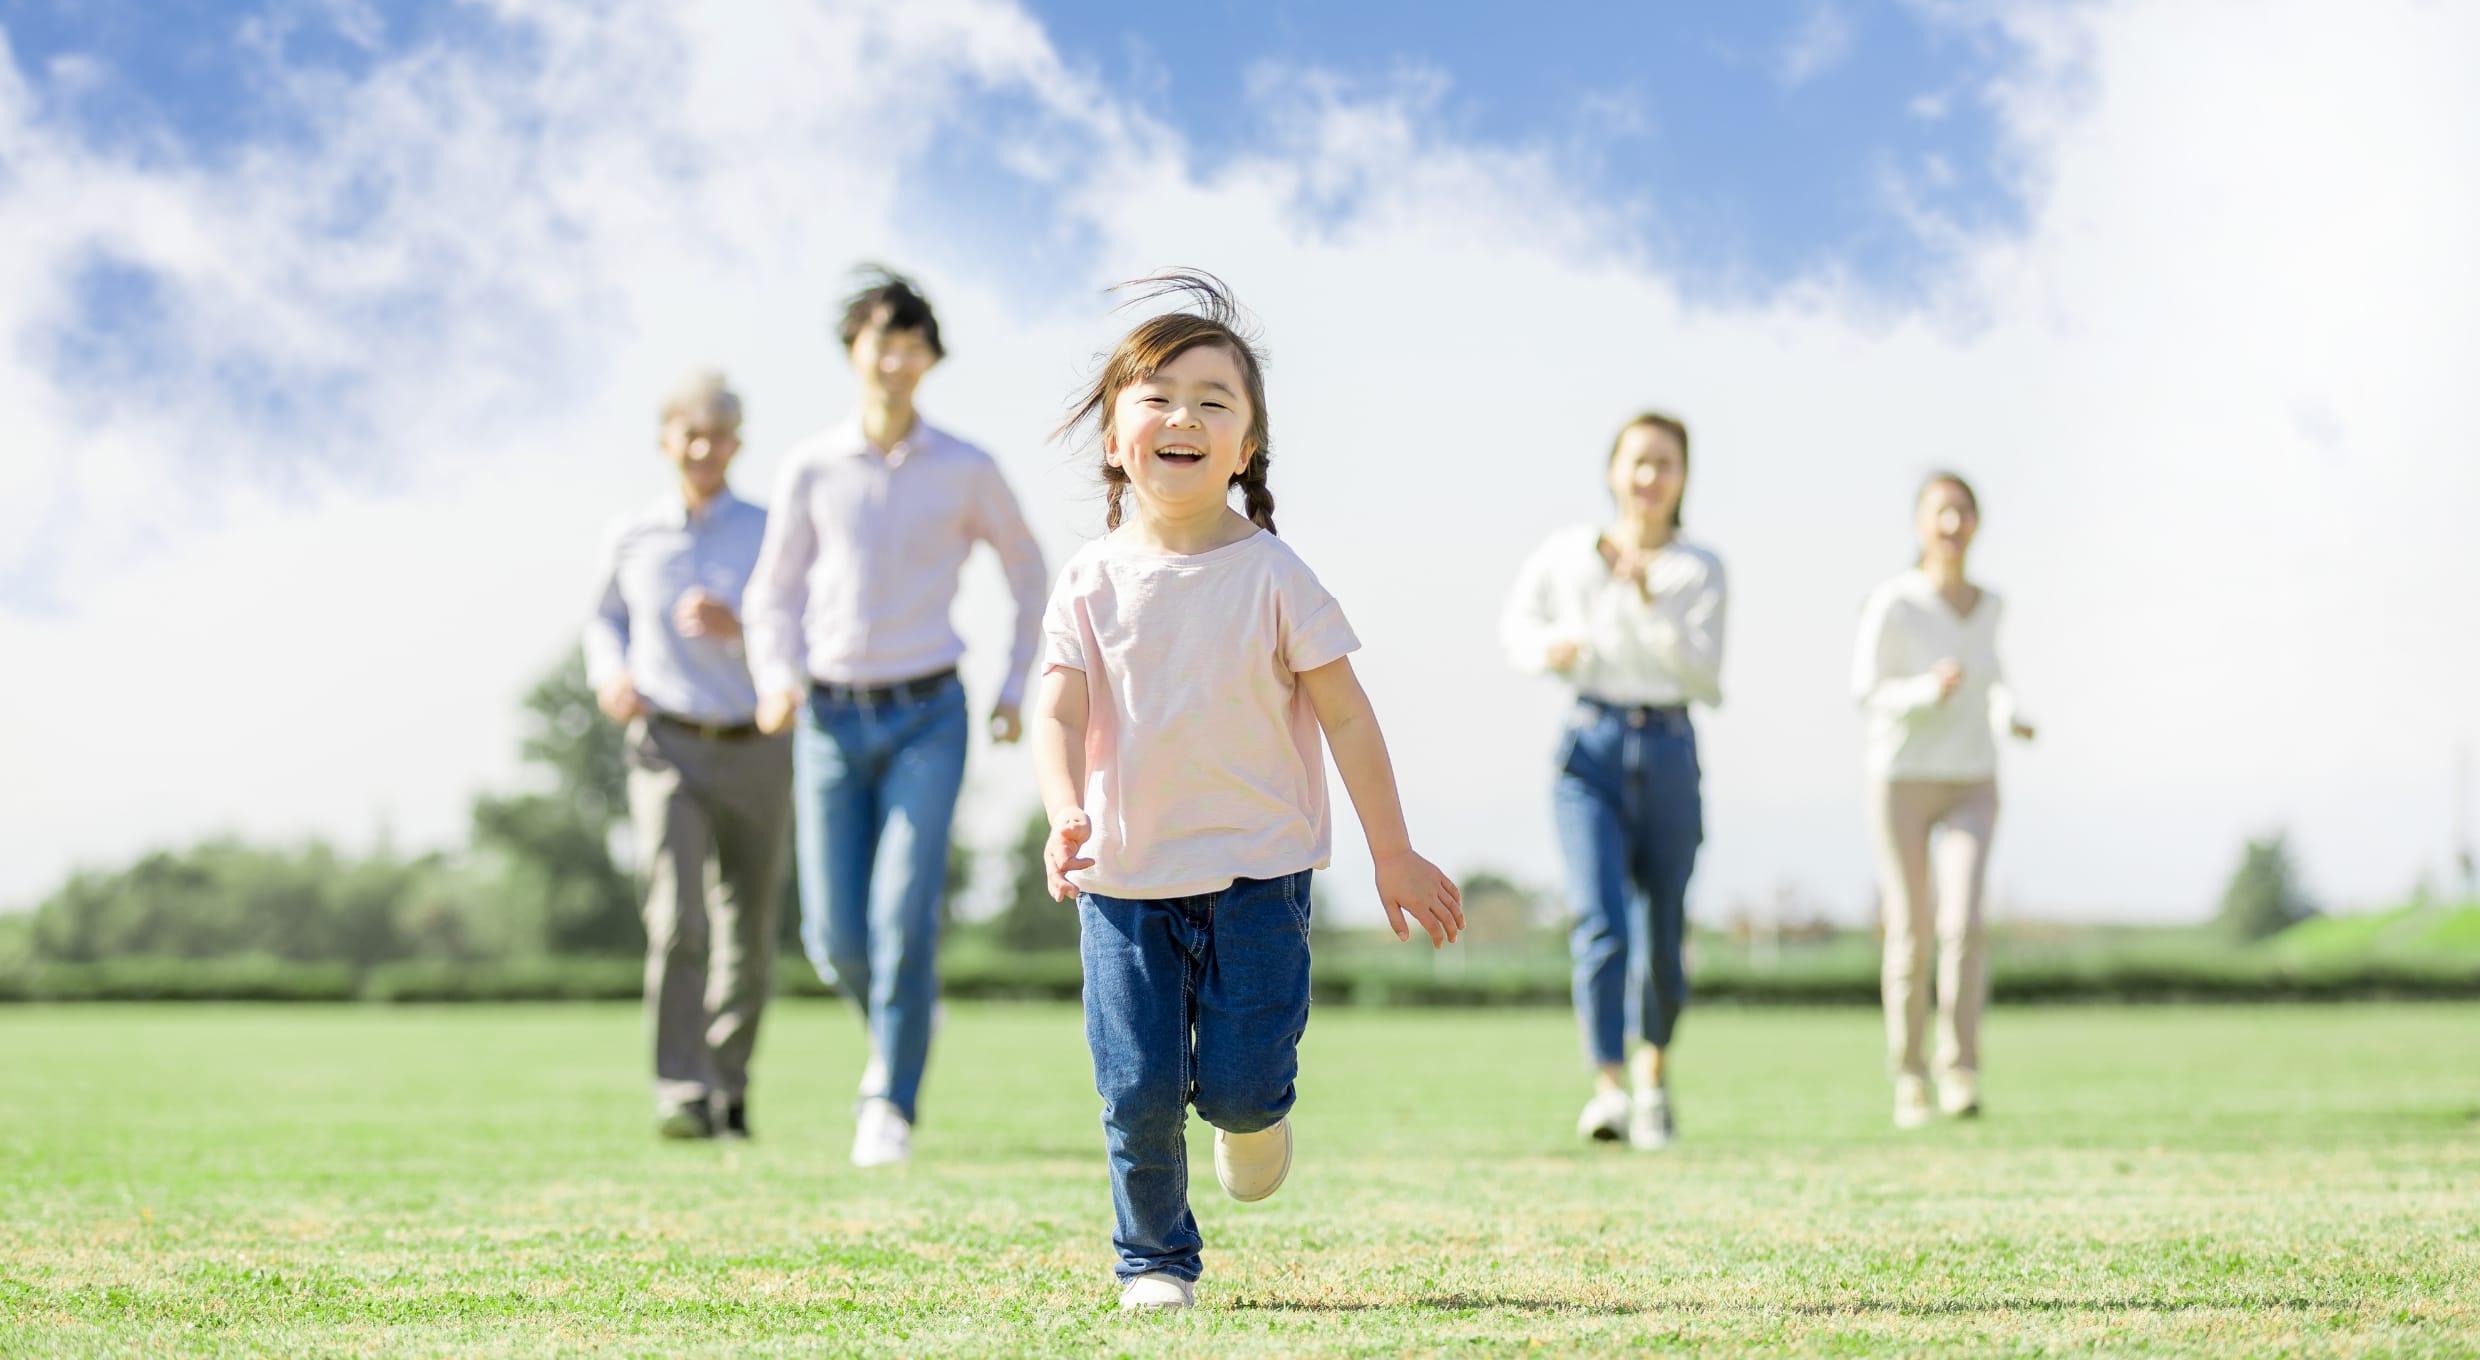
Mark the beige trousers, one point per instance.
(1932, 883)
(709, 815)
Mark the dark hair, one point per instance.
(1667, 424)
(888, 296)
(1213, 317)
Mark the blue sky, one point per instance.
(1746, 144)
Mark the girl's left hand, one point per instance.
(1410, 885)
(2023, 731)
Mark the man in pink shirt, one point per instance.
(849, 640)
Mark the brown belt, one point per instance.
(710, 731)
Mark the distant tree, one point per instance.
(2264, 897)
(222, 898)
(556, 887)
(1031, 920)
(1497, 910)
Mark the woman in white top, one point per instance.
(1926, 672)
(1631, 616)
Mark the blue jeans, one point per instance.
(1630, 819)
(1189, 1000)
(874, 791)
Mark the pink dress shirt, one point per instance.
(857, 573)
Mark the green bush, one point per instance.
(976, 968)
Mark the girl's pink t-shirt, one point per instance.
(1203, 759)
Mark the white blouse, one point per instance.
(1630, 650)
(1906, 629)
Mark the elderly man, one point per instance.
(708, 792)
(850, 641)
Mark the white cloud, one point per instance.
(2210, 392)
(1820, 42)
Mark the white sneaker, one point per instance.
(1959, 1094)
(1157, 1290)
(1912, 1109)
(1649, 1119)
(1605, 1117)
(1252, 1166)
(882, 1137)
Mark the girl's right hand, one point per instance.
(1562, 656)
(1949, 675)
(1059, 857)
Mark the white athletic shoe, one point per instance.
(1649, 1119)
(1959, 1094)
(1605, 1117)
(1157, 1290)
(1912, 1109)
(882, 1137)
(1252, 1166)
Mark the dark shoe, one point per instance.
(687, 1122)
(735, 1121)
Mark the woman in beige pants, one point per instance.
(1926, 672)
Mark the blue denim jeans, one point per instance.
(1189, 1000)
(874, 791)
(1630, 817)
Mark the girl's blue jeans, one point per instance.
(1189, 1001)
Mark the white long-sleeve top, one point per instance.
(1630, 649)
(1906, 629)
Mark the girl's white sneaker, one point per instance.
(1252, 1166)
(1157, 1290)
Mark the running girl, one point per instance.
(1191, 662)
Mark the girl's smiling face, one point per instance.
(1183, 434)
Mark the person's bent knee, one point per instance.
(1244, 1108)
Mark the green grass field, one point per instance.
(369, 1180)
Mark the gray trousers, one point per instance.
(710, 821)
(1930, 897)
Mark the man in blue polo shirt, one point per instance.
(708, 792)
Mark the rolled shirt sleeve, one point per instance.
(1000, 522)
(778, 593)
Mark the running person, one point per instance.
(1191, 663)
(1630, 615)
(1926, 673)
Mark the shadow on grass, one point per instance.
(1519, 1303)
(1445, 1303)
(1953, 1307)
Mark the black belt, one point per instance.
(1638, 715)
(710, 731)
(919, 687)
